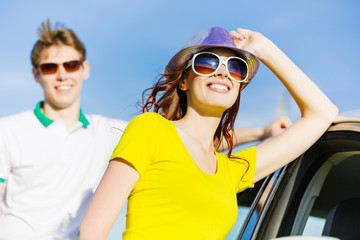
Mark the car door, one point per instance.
(297, 199)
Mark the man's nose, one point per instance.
(62, 74)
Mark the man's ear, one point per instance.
(36, 74)
(86, 69)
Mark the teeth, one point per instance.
(63, 87)
(218, 86)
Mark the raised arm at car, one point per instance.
(317, 111)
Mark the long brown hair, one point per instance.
(168, 100)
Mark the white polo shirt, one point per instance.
(51, 173)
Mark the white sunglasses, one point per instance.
(208, 63)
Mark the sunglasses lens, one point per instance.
(72, 66)
(51, 68)
(48, 68)
(237, 69)
(206, 63)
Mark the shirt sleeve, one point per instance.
(242, 167)
(114, 128)
(136, 145)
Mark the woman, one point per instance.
(178, 186)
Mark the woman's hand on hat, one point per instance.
(250, 41)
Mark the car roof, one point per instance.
(349, 116)
(347, 121)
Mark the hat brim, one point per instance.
(183, 56)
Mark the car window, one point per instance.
(314, 226)
(342, 173)
(242, 214)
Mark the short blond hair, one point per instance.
(55, 37)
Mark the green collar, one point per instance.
(47, 121)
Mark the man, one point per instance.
(52, 158)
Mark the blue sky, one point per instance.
(130, 42)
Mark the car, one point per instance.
(317, 196)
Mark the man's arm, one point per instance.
(242, 136)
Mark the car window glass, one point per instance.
(243, 212)
(336, 188)
(314, 226)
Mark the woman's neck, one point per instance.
(199, 127)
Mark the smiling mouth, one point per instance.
(218, 87)
(63, 87)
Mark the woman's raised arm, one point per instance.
(317, 111)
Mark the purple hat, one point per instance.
(210, 38)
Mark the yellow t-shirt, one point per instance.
(174, 198)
